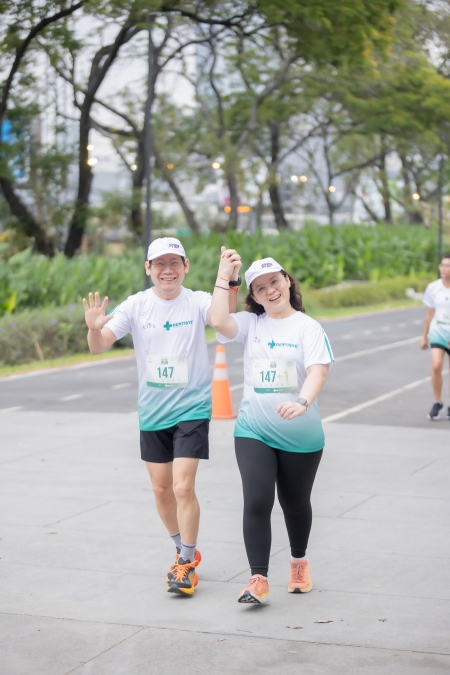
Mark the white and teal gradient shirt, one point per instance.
(167, 331)
(297, 340)
(437, 296)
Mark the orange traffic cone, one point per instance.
(222, 407)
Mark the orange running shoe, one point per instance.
(300, 581)
(257, 591)
(198, 558)
(184, 578)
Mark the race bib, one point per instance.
(167, 372)
(443, 316)
(274, 376)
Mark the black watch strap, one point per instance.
(238, 282)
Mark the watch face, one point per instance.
(236, 283)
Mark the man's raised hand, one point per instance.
(95, 311)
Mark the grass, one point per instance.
(319, 315)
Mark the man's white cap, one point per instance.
(163, 246)
(259, 267)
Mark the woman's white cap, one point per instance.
(163, 246)
(259, 267)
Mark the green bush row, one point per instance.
(51, 332)
(317, 256)
(364, 294)
(45, 333)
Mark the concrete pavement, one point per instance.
(84, 555)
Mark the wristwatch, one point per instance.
(303, 401)
(233, 284)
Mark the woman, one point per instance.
(278, 435)
(436, 331)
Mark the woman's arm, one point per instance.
(315, 379)
(219, 312)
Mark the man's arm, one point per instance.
(99, 337)
(426, 327)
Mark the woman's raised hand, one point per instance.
(95, 312)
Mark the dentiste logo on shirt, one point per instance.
(168, 325)
(281, 344)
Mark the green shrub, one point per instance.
(363, 294)
(43, 333)
(317, 256)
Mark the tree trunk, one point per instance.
(168, 176)
(277, 207)
(274, 190)
(27, 224)
(80, 214)
(101, 63)
(234, 200)
(385, 191)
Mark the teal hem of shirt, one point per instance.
(183, 418)
(433, 338)
(251, 434)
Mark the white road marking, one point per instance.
(385, 329)
(368, 332)
(13, 409)
(348, 336)
(401, 325)
(356, 355)
(378, 399)
(373, 350)
(417, 322)
(49, 371)
(121, 386)
(72, 397)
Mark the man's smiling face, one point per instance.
(167, 273)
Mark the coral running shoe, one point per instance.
(184, 577)
(170, 573)
(300, 581)
(257, 591)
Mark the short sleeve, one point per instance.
(316, 346)
(243, 320)
(428, 298)
(204, 303)
(120, 324)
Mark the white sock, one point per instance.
(299, 559)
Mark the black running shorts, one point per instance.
(436, 345)
(185, 439)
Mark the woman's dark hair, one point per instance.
(295, 297)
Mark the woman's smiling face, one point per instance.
(272, 292)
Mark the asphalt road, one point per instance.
(380, 377)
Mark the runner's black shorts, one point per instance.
(185, 439)
(436, 345)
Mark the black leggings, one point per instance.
(293, 473)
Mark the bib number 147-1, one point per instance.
(274, 377)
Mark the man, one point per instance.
(167, 323)
(436, 331)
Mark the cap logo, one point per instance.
(174, 246)
(266, 265)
